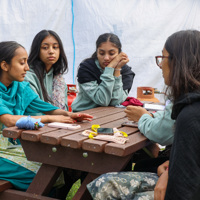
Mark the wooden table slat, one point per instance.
(99, 146)
(4, 185)
(137, 139)
(12, 194)
(55, 137)
(108, 112)
(94, 145)
(12, 132)
(75, 140)
(34, 135)
(98, 110)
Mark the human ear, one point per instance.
(4, 66)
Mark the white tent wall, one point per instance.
(142, 26)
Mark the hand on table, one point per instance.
(135, 112)
(81, 116)
(63, 116)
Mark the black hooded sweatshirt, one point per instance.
(184, 168)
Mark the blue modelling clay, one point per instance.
(29, 123)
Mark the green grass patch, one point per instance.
(73, 190)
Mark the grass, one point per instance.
(73, 190)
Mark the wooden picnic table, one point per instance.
(59, 148)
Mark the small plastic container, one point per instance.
(146, 94)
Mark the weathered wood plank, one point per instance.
(136, 141)
(152, 149)
(98, 110)
(98, 146)
(109, 111)
(54, 137)
(19, 195)
(34, 135)
(4, 185)
(43, 182)
(83, 193)
(94, 145)
(12, 132)
(73, 158)
(75, 140)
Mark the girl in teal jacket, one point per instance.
(104, 79)
(17, 99)
(48, 62)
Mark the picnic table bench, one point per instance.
(4, 185)
(59, 148)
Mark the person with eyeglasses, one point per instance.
(157, 127)
(159, 60)
(179, 178)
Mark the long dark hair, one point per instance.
(38, 66)
(107, 37)
(184, 50)
(7, 51)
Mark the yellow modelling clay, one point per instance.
(95, 127)
(124, 134)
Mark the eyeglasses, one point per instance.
(159, 60)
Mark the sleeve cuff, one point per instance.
(118, 78)
(109, 70)
(144, 117)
